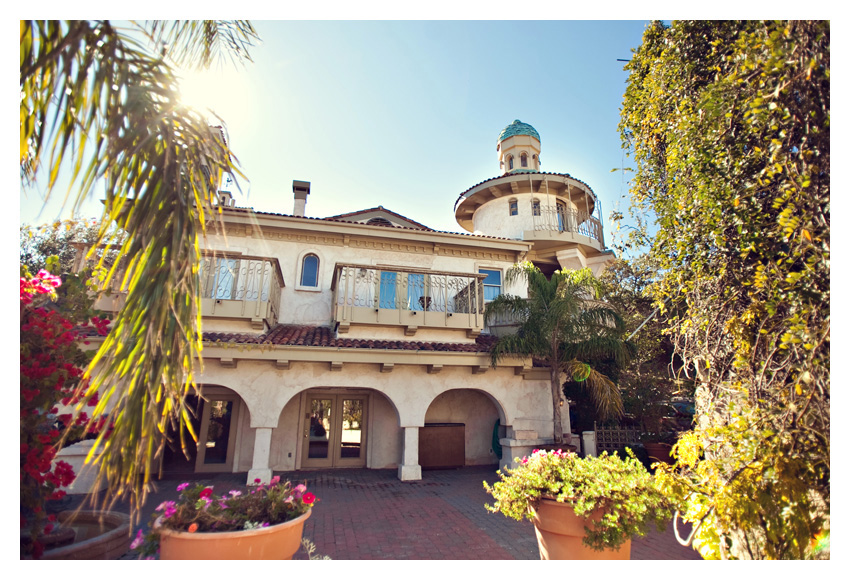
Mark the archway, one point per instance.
(461, 429)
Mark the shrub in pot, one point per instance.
(265, 523)
(599, 502)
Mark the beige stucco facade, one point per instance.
(336, 342)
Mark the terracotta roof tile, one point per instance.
(305, 335)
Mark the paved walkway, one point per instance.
(371, 515)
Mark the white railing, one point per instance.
(561, 219)
(253, 281)
(370, 294)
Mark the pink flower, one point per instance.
(308, 498)
(207, 491)
(182, 486)
(138, 541)
(235, 493)
(274, 480)
(298, 490)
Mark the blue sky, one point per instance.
(405, 114)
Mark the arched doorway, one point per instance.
(461, 423)
(215, 421)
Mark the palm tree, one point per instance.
(562, 324)
(102, 104)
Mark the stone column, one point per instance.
(410, 470)
(262, 451)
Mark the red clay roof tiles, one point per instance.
(305, 335)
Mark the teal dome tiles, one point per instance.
(518, 128)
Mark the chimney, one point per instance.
(300, 190)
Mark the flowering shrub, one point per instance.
(622, 488)
(198, 509)
(51, 366)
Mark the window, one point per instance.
(492, 284)
(387, 297)
(562, 217)
(535, 207)
(510, 162)
(310, 271)
(536, 161)
(512, 207)
(523, 160)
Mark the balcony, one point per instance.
(241, 287)
(561, 219)
(408, 297)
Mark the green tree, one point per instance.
(654, 375)
(100, 102)
(729, 127)
(563, 324)
(63, 239)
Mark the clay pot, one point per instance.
(99, 536)
(278, 542)
(560, 534)
(659, 452)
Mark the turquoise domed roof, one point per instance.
(518, 128)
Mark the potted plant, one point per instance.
(582, 509)
(263, 524)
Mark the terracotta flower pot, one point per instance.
(278, 542)
(560, 534)
(659, 452)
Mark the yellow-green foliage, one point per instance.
(728, 123)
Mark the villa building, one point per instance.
(359, 340)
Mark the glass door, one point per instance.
(334, 431)
(216, 441)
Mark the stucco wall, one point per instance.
(314, 306)
(272, 397)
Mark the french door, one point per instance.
(334, 431)
(214, 421)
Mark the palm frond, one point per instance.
(98, 103)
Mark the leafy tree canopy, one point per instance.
(729, 127)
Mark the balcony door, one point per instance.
(334, 431)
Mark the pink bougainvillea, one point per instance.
(51, 368)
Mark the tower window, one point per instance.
(510, 162)
(535, 207)
(523, 160)
(512, 207)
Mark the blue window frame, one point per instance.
(310, 270)
(386, 298)
(492, 284)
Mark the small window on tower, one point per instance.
(523, 160)
(512, 207)
(535, 207)
(510, 162)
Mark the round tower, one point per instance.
(555, 211)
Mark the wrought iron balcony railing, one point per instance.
(408, 297)
(236, 286)
(561, 219)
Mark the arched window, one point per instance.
(512, 207)
(310, 270)
(523, 160)
(536, 161)
(510, 162)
